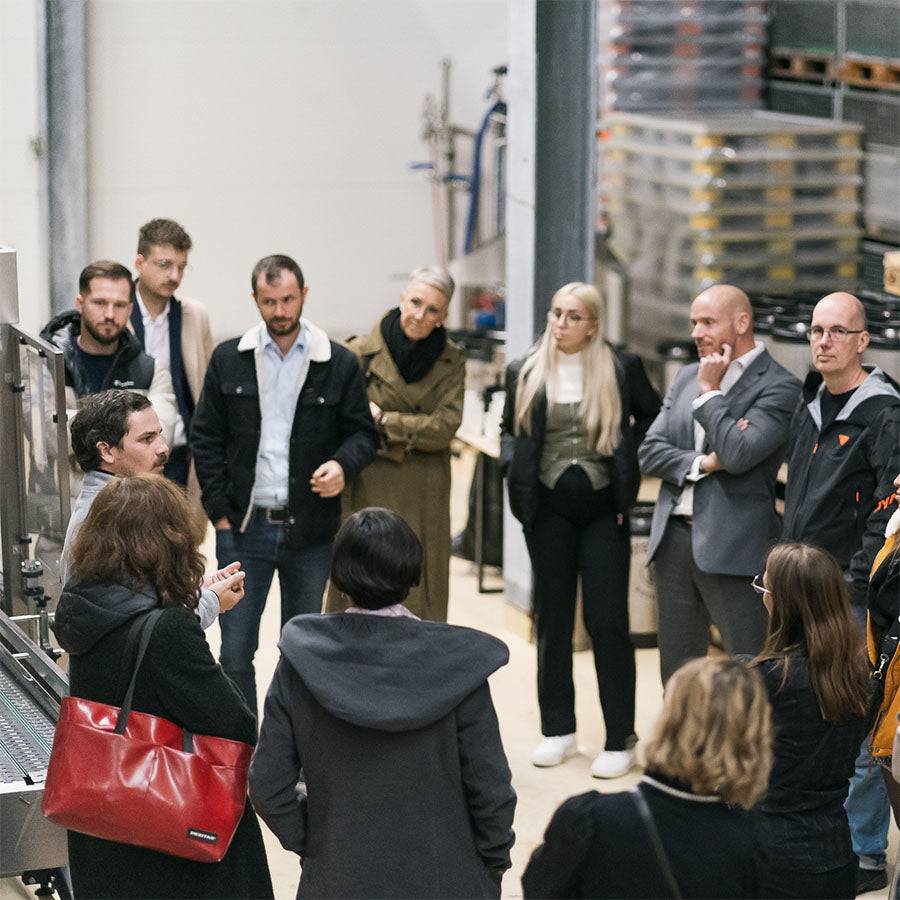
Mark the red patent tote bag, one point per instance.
(138, 779)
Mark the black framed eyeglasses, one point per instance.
(837, 334)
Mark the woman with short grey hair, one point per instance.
(415, 377)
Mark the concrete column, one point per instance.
(551, 187)
(566, 158)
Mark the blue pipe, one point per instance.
(475, 180)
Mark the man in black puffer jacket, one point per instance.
(99, 350)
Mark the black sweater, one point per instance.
(596, 845)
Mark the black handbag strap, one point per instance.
(142, 629)
(655, 841)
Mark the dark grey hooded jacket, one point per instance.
(407, 787)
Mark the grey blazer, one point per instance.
(734, 520)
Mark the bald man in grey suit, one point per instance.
(717, 445)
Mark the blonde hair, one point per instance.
(601, 403)
(715, 731)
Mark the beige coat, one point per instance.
(196, 349)
(196, 343)
(411, 474)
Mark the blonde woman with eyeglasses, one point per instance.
(575, 411)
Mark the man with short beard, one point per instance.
(716, 445)
(99, 350)
(282, 423)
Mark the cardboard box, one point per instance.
(892, 272)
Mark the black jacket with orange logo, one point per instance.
(840, 490)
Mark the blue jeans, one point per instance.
(302, 575)
(867, 805)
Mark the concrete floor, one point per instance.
(539, 791)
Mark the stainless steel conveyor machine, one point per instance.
(34, 512)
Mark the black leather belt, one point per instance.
(271, 515)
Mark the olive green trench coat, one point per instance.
(411, 474)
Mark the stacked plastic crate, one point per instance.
(766, 201)
(841, 58)
(683, 56)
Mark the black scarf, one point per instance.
(414, 359)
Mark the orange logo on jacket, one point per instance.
(843, 438)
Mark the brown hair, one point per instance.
(102, 268)
(271, 268)
(158, 232)
(811, 614)
(715, 731)
(102, 417)
(143, 530)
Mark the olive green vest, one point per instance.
(566, 444)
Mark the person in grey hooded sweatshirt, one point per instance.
(387, 722)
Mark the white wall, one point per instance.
(22, 192)
(278, 126)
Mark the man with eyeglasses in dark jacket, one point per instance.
(843, 457)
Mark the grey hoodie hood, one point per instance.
(876, 384)
(88, 612)
(391, 674)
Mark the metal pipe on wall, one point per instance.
(67, 151)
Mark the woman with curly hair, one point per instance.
(137, 552)
(685, 830)
(815, 672)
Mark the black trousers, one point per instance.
(576, 531)
(835, 883)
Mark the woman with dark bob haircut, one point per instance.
(136, 552)
(387, 722)
(707, 765)
(814, 667)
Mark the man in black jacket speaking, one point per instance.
(282, 422)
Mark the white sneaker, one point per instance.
(612, 763)
(551, 751)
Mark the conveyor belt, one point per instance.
(26, 734)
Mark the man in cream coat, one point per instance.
(717, 445)
(173, 330)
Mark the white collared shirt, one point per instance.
(736, 368)
(156, 344)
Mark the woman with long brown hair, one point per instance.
(815, 671)
(136, 552)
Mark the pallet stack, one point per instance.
(763, 200)
(841, 59)
(681, 56)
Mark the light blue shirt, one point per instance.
(282, 378)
